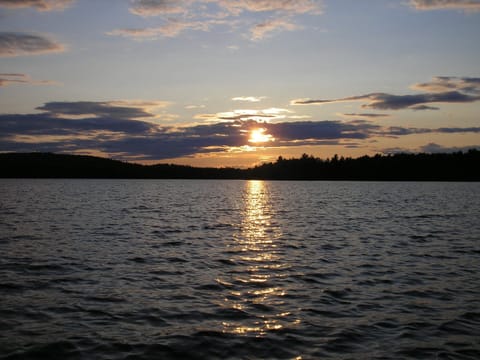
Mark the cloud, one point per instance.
(233, 7)
(384, 101)
(365, 115)
(201, 15)
(119, 109)
(436, 148)
(44, 132)
(174, 27)
(441, 90)
(193, 107)
(245, 114)
(285, 6)
(48, 125)
(466, 5)
(123, 129)
(451, 130)
(423, 107)
(319, 130)
(431, 148)
(396, 131)
(22, 79)
(158, 7)
(267, 27)
(249, 98)
(469, 85)
(171, 28)
(18, 44)
(40, 5)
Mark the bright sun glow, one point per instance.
(259, 136)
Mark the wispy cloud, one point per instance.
(194, 107)
(158, 7)
(365, 115)
(423, 107)
(266, 28)
(18, 44)
(287, 6)
(204, 14)
(441, 90)
(269, 114)
(22, 79)
(249, 98)
(41, 5)
(171, 28)
(233, 7)
(440, 84)
(466, 5)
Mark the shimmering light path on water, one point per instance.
(239, 269)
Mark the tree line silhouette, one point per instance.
(457, 166)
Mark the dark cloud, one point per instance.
(320, 130)
(96, 108)
(222, 136)
(384, 101)
(469, 85)
(158, 7)
(18, 44)
(126, 131)
(41, 5)
(48, 125)
(366, 115)
(430, 148)
(423, 107)
(396, 131)
(401, 131)
(397, 102)
(467, 5)
(458, 130)
(8, 79)
(436, 148)
(439, 90)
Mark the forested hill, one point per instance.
(48, 165)
(459, 166)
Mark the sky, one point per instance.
(238, 82)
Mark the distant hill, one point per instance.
(48, 165)
(459, 166)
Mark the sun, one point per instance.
(259, 136)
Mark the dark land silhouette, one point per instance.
(458, 166)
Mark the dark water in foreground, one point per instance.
(99, 269)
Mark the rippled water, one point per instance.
(101, 269)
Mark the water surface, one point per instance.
(155, 269)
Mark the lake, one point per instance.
(160, 269)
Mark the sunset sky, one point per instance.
(238, 82)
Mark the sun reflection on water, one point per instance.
(256, 289)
